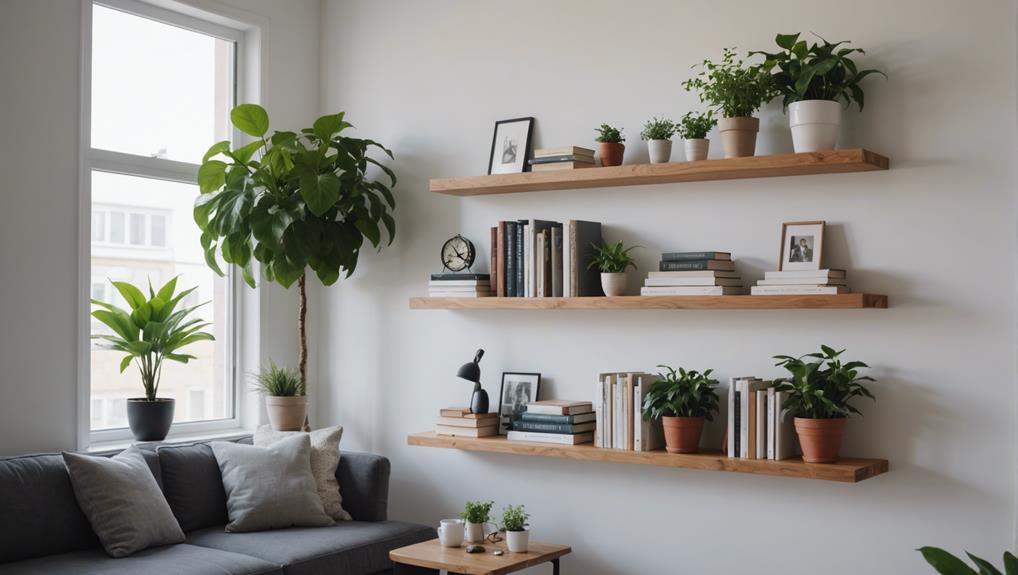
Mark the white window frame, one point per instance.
(134, 165)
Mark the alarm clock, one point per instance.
(458, 253)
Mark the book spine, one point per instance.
(693, 265)
(556, 262)
(494, 258)
(737, 430)
(520, 286)
(547, 418)
(510, 259)
(541, 427)
(689, 256)
(638, 415)
(730, 430)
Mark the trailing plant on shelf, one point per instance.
(693, 128)
(514, 521)
(947, 564)
(293, 201)
(610, 147)
(612, 260)
(682, 400)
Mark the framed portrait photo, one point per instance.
(518, 389)
(510, 146)
(802, 246)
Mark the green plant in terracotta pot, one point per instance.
(285, 396)
(683, 401)
(610, 149)
(819, 393)
(947, 564)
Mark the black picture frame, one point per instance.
(527, 150)
(533, 381)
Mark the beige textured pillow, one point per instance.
(324, 461)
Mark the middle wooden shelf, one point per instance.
(841, 301)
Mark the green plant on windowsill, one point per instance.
(514, 518)
(477, 511)
(696, 125)
(823, 388)
(732, 87)
(612, 258)
(947, 564)
(278, 381)
(658, 129)
(681, 393)
(609, 135)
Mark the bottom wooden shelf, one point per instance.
(842, 301)
(848, 470)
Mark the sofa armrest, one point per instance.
(364, 485)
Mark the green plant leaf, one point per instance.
(1010, 564)
(244, 154)
(320, 191)
(125, 363)
(131, 294)
(327, 126)
(251, 119)
(211, 176)
(215, 150)
(786, 41)
(985, 568)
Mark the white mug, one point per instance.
(450, 532)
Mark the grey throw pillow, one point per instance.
(122, 501)
(270, 487)
(324, 461)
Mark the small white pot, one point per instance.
(660, 151)
(815, 124)
(613, 284)
(697, 149)
(476, 532)
(518, 541)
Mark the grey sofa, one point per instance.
(42, 530)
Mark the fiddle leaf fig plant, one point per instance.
(821, 386)
(681, 393)
(947, 564)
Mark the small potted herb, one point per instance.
(819, 391)
(682, 400)
(947, 564)
(658, 134)
(735, 90)
(476, 514)
(285, 399)
(517, 531)
(610, 147)
(693, 129)
(814, 80)
(612, 260)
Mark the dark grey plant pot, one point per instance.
(150, 420)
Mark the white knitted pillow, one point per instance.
(324, 461)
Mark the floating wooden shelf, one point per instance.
(841, 301)
(846, 470)
(831, 162)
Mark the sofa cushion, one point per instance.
(40, 515)
(171, 560)
(348, 547)
(324, 462)
(364, 483)
(193, 485)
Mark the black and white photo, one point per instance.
(518, 389)
(801, 246)
(510, 146)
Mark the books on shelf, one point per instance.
(691, 265)
(555, 421)
(758, 428)
(695, 256)
(561, 438)
(565, 158)
(708, 273)
(460, 285)
(822, 275)
(560, 419)
(693, 290)
(802, 282)
(618, 400)
(466, 431)
(556, 166)
(541, 258)
(564, 151)
(559, 407)
(799, 290)
(460, 422)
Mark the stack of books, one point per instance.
(566, 158)
(694, 273)
(460, 285)
(758, 428)
(618, 412)
(542, 258)
(802, 282)
(555, 421)
(459, 422)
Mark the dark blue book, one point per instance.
(559, 419)
(542, 427)
(688, 256)
(510, 260)
(696, 265)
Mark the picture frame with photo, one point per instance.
(511, 146)
(802, 246)
(518, 389)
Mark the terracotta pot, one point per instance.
(820, 439)
(611, 154)
(696, 149)
(150, 420)
(614, 283)
(738, 136)
(682, 434)
(286, 413)
(660, 151)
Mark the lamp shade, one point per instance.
(471, 371)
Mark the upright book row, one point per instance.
(541, 258)
(758, 428)
(618, 401)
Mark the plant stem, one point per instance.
(302, 361)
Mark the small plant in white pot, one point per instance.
(658, 134)
(517, 531)
(693, 129)
(814, 81)
(285, 397)
(476, 514)
(612, 260)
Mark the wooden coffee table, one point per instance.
(430, 556)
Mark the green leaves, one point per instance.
(658, 129)
(947, 564)
(731, 87)
(612, 258)
(320, 191)
(211, 175)
(682, 393)
(821, 389)
(695, 126)
(251, 119)
(609, 135)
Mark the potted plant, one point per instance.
(682, 400)
(734, 90)
(292, 201)
(612, 260)
(517, 532)
(658, 134)
(947, 564)
(814, 81)
(610, 147)
(476, 514)
(693, 129)
(819, 393)
(153, 331)
(285, 399)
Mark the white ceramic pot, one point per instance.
(815, 124)
(518, 541)
(697, 149)
(738, 136)
(476, 532)
(660, 151)
(613, 284)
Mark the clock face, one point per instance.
(458, 254)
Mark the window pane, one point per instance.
(98, 226)
(158, 90)
(117, 225)
(158, 230)
(203, 381)
(138, 229)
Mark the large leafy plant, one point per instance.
(293, 201)
(681, 393)
(947, 564)
(612, 258)
(815, 72)
(152, 331)
(821, 386)
(732, 87)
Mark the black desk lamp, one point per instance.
(472, 372)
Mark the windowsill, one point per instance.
(110, 447)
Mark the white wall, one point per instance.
(936, 233)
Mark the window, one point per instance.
(162, 85)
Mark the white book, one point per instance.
(567, 257)
(784, 429)
(559, 438)
(609, 427)
(692, 290)
(730, 433)
(803, 282)
(771, 418)
(827, 273)
(618, 415)
(798, 290)
(761, 424)
(638, 413)
(701, 281)
(599, 425)
(694, 274)
(539, 264)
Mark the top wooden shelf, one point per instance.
(830, 162)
